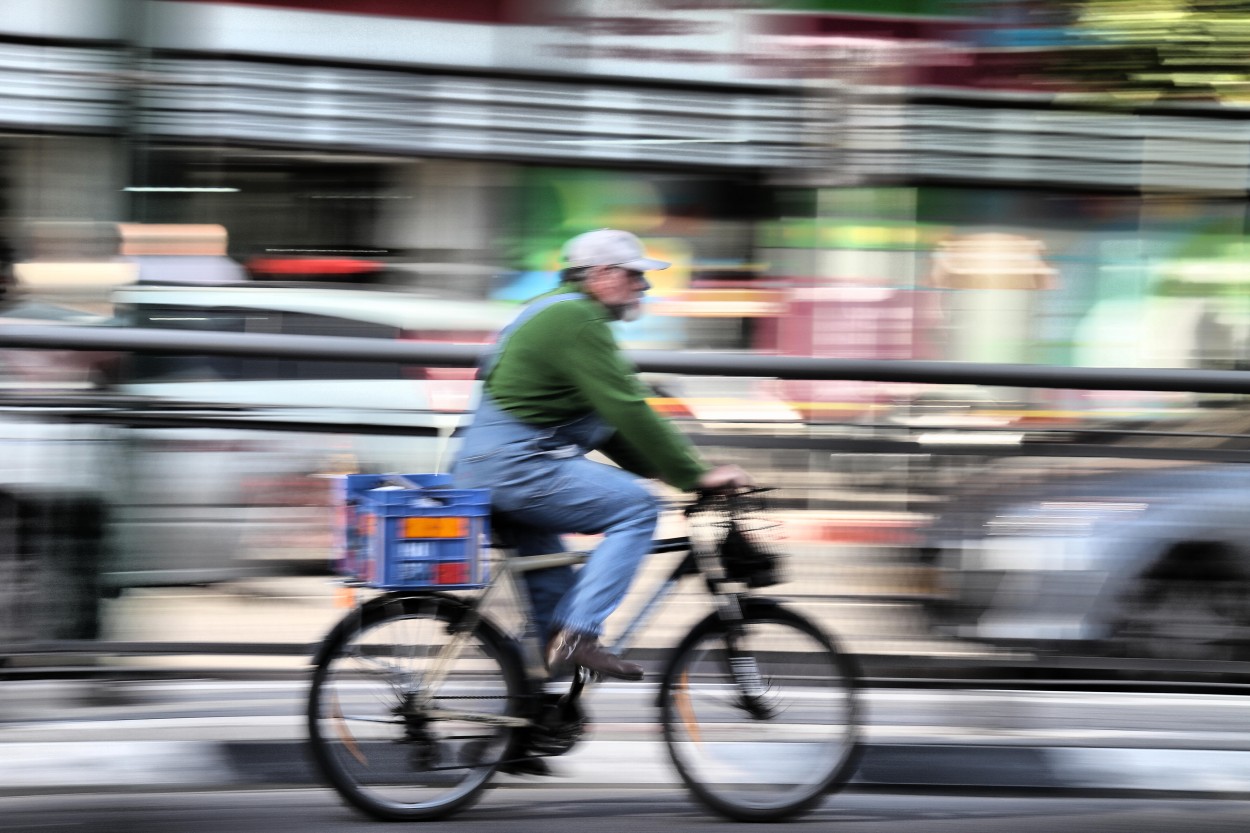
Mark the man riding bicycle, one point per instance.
(555, 387)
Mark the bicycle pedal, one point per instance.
(556, 737)
(535, 766)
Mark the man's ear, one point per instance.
(594, 278)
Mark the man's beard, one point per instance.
(626, 312)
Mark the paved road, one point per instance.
(536, 810)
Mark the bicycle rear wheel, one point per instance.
(403, 728)
(772, 748)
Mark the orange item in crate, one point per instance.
(433, 527)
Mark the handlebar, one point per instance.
(731, 502)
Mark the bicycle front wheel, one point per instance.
(412, 707)
(768, 741)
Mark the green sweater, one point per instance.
(564, 363)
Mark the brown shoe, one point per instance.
(569, 648)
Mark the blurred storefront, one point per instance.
(347, 121)
(809, 165)
(457, 142)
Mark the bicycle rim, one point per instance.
(393, 738)
(775, 755)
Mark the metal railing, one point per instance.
(343, 348)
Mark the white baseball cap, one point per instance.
(610, 247)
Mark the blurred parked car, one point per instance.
(195, 490)
(1146, 558)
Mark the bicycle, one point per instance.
(418, 698)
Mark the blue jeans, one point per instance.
(541, 481)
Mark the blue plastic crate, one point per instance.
(405, 532)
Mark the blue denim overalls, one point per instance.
(542, 482)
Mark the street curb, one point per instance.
(82, 766)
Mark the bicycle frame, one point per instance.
(509, 570)
(687, 566)
(513, 567)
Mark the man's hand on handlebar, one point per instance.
(727, 478)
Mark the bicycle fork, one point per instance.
(742, 664)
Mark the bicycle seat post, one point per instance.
(530, 641)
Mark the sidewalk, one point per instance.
(847, 570)
(197, 765)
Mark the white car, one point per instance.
(194, 499)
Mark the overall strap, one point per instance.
(491, 356)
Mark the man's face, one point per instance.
(619, 289)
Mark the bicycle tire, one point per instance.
(778, 756)
(372, 739)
